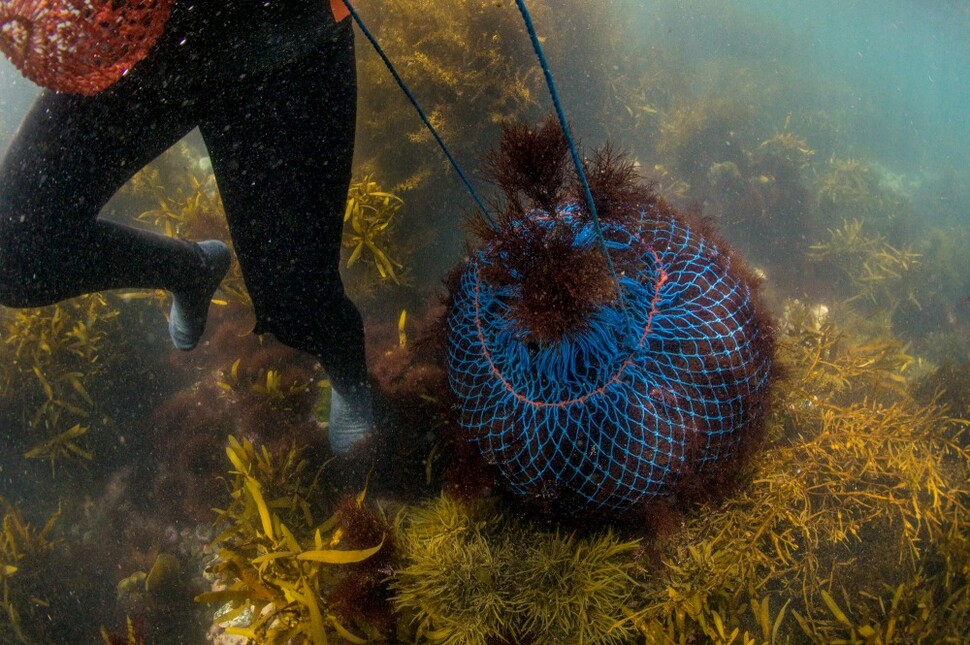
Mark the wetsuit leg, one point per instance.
(69, 157)
(281, 146)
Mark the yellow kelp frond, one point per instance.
(275, 390)
(131, 636)
(789, 146)
(825, 363)
(272, 564)
(849, 181)
(50, 361)
(875, 268)
(370, 216)
(24, 554)
(63, 446)
(176, 211)
(183, 189)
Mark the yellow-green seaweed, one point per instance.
(855, 521)
(49, 359)
(275, 560)
(471, 576)
(24, 551)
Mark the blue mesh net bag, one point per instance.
(601, 389)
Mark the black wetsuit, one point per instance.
(271, 85)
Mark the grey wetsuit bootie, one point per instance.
(186, 320)
(351, 419)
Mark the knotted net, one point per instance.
(633, 403)
(79, 46)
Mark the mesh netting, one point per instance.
(633, 403)
(79, 46)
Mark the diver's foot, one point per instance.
(351, 419)
(186, 320)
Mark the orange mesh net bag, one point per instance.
(79, 46)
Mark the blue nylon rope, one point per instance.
(419, 110)
(565, 129)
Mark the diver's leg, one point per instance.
(282, 147)
(70, 155)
